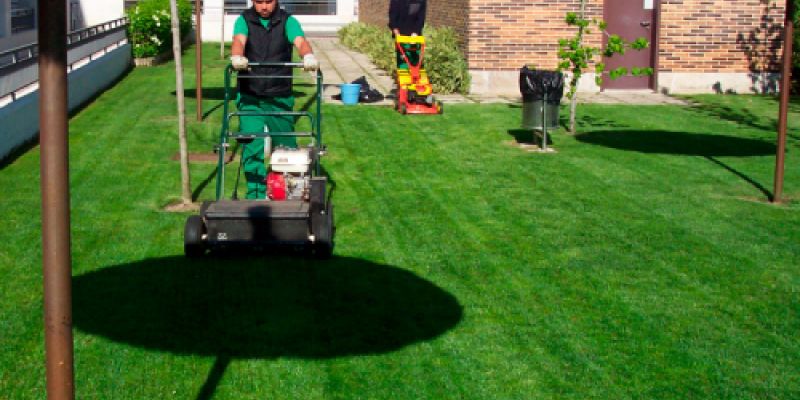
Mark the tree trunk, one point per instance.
(198, 64)
(573, 104)
(186, 192)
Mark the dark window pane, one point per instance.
(235, 6)
(310, 7)
(23, 15)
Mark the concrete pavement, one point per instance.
(342, 65)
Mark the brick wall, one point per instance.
(504, 34)
(452, 13)
(695, 35)
(720, 35)
(375, 12)
(497, 34)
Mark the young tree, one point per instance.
(186, 191)
(576, 54)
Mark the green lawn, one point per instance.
(640, 261)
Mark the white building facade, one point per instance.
(316, 16)
(18, 18)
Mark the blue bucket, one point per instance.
(350, 92)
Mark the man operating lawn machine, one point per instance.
(414, 91)
(287, 203)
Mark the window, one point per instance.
(298, 7)
(235, 6)
(310, 7)
(23, 15)
(2, 21)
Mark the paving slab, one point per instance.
(342, 65)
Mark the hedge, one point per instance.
(444, 62)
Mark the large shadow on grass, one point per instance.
(262, 307)
(246, 308)
(689, 144)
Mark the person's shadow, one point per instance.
(265, 308)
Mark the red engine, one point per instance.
(276, 186)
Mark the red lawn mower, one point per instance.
(414, 91)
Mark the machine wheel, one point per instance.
(439, 107)
(403, 110)
(193, 237)
(323, 245)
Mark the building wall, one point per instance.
(21, 117)
(704, 45)
(81, 14)
(215, 26)
(720, 35)
(375, 12)
(506, 34)
(96, 12)
(452, 13)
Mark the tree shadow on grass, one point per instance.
(685, 143)
(745, 117)
(246, 308)
(741, 116)
(679, 143)
(218, 93)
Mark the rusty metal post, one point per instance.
(56, 253)
(783, 113)
(198, 59)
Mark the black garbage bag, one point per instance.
(371, 95)
(367, 94)
(536, 84)
(361, 80)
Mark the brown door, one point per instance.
(631, 19)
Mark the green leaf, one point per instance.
(618, 72)
(599, 68)
(639, 44)
(571, 18)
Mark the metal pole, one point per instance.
(56, 256)
(544, 119)
(786, 79)
(198, 62)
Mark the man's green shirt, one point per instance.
(293, 28)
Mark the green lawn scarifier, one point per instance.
(303, 217)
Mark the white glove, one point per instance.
(413, 34)
(239, 63)
(310, 62)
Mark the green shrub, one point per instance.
(444, 62)
(149, 28)
(446, 66)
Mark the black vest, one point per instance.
(267, 45)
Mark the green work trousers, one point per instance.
(413, 56)
(255, 171)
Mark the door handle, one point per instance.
(645, 23)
